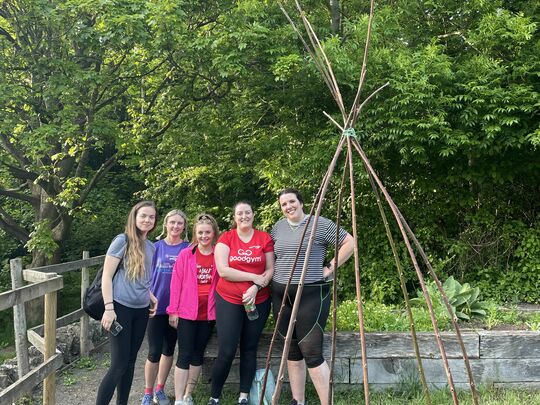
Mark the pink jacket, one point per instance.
(184, 299)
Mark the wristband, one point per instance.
(109, 309)
(259, 287)
(107, 303)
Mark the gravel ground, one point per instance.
(78, 385)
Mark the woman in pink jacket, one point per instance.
(192, 305)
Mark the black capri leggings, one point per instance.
(193, 337)
(307, 340)
(233, 326)
(161, 338)
(124, 349)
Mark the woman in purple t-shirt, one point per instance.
(161, 336)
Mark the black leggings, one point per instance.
(307, 339)
(233, 326)
(161, 338)
(192, 339)
(124, 349)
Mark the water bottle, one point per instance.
(251, 311)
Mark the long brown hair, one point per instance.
(135, 251)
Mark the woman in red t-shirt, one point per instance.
(245, 262)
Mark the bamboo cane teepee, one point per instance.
(349, 145)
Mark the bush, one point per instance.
(383, 318)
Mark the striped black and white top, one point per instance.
(286, 241)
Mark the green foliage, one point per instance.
(41, 239)
(453, 136)
(393, 318)
(520, 281)
(206, 103)
(380, 317)
(86, 363)
(463, 299)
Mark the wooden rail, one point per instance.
(45, 281)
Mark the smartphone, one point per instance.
(116, 328)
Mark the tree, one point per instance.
(454, 136)
(82, 81)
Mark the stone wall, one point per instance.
(67, 341)
(501, 358)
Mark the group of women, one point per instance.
(182, 291)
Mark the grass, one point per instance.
(345, 396)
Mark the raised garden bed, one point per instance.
(500, 358)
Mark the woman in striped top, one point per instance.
(307, 343)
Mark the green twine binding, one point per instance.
(350, 132)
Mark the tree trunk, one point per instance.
(61, 225)
(335, 14)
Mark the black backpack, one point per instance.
(93, 303)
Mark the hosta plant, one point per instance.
(464, 299)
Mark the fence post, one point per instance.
(49, 384)
(19, 320)
(84, 323)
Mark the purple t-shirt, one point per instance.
(162, 267)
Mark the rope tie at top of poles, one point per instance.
(351, 133)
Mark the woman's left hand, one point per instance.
(328, 273)
(250, 295)
(153, 305)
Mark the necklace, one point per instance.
(296, 225)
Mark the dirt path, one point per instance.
(78, 385)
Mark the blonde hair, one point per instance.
(170, 214)
(206, 219)
(135, 249)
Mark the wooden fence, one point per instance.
(44, 281)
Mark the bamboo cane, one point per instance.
(403, 290)
(353, 114)
(357, 278)
(334, 285)
(453, 317)
(279, 379)
(320, 52)
(417, 269)
(278, 320)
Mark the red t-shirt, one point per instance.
(249, 257)
(204, 282)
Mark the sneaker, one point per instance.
(188, 400)
(160, 398)
(147, 399)
(212, 401)
(243, 401)
(180, 402)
